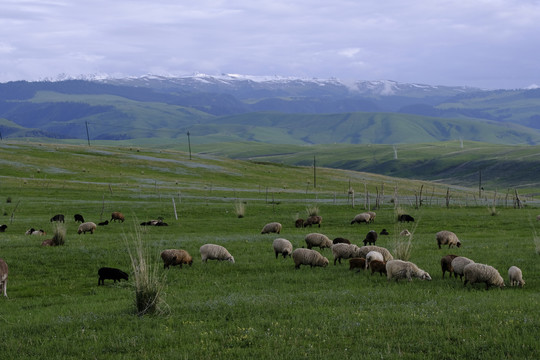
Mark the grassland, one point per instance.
(259, 307)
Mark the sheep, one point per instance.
(3, 276)
(371, 237)
(446, 265)
(344, 251)
(283, 247)
(515, 276)
(384, 232)
(458, 264)
(478, 273)
(173, 257)
(447, 237)
(364, 250)
(154, 223)
(405, 232)
(111, 274)
(377, 266)
(405, 217)
(58, 218)
(340, 240)
(85, 227)
(78, 218)
(372, 216)
(116, 215)
(33, 231)
(318, 240)
(273, 227)
(373, 255)
(215, 252)
(309, 257)
(3, 228)
(103, 223)
(299, 223)
(357, 263)
(313, 220)
(399, 269)
(360, 218)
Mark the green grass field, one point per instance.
(260, 306)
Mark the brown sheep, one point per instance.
(340, 240)
(173, 257)
(299, 223)
(116, 215)
(313, 220)
(377, 266)
(446, 265)
(357, 263)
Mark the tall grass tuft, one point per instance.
(312, 210)
(492, 210)
(403, 244)
(149, 284)
(240, 209)
(59, 235)
(536, 238)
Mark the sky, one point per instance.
(491, 44)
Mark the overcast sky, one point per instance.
(483, 43)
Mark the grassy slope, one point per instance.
(260, 307)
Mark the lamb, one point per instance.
(357, 263)
(283, 247)
(447, 237)
(111, 274)
(384, 232)
(215, 252)
(309, 257)
(318, 240)
(478, 273)
(458, 264)
(373, 255)
(405, 217)
(446, 265)
(371, 237)
(33, 231)
(116, 215)
(85, 227)
(3, 228)
(405, 232)
(3, 276)
(48, 242)
(273, 227)
(363, 251)
(399, 269)
(362, 217)
(377, 266)
(340, 240)
(515, 276)
(173, 257)
(103, 223)
(78, 218)
(344, 251)
(58, 218)
(299, 223)
(313, 220)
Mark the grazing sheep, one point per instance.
(405, 217)
(405, 232)
(215, 252)
(318, 240)
(173, 257)
(3, 276)
(458, 264)
(373, 255)
(299, 223)
(399, 269)
(482, 273)
(309, 257)
(340, 240)
(313, 220)
(372, 216)
(273, 227)
(377, 266)
(363, 251)
(344, 251)
(446, 265)
(116, 215)
(111, 274)
(283, 247)
(78, 218)
(103, 223)
(357, 263)
(58, 218)
(361, 218)
(384, 232)
(3, 228)
(515, 276)
(85, 227)
(371, 237)
(447, 237)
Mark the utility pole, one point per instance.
(314, 173)
(87, 135)
(189, 145)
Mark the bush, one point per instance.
(240, 209)
(59, 234)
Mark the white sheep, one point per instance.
(3, 276)
(405, 232)
(365, 249)
(318, 240)
(362, 217)
(399, 269)
(447, 237)
(478, 273)
(516, 277)
(459, 263)
(372, 216)
(283, 247)
(273, 227)
(87, 226)
(215, 252)
(309, 257)
(373, 255)
(344, 251)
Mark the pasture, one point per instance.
(260, 306)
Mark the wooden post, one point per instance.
(174, 207)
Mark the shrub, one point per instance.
(59, 234)
(312, 210)
(240, 209)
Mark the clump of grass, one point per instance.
(536, 238)
(492, 210)
(59, 235)
(240, 209)
(403, 244)
(312, 210)
(149, 284)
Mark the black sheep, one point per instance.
(340, 240)
(78, 218)
(111, 274)
(3, 228)
(371, 237)
(384, 232)
(58, 218)
(103, 223)
(405, 217)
